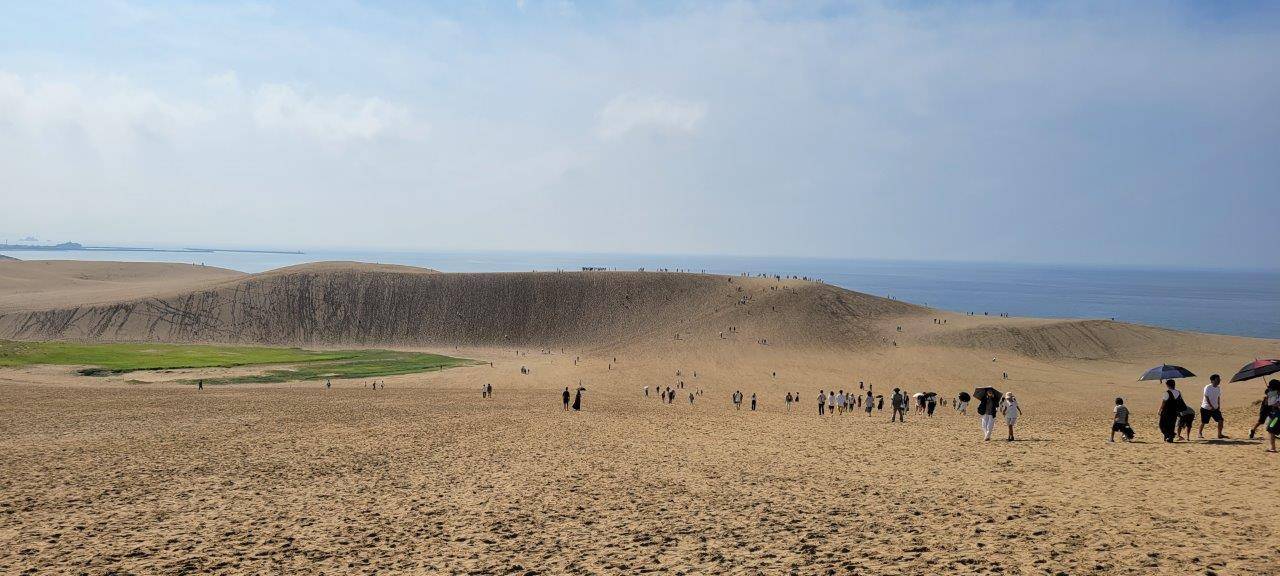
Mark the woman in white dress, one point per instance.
(1009, 407)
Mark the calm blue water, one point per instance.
(1225, 302)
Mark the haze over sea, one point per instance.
(1239, 302)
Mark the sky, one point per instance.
(1075, 132)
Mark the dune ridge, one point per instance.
(336, 303)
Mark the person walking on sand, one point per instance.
(1211, 405)
(737, 399)
(646, 391)
(987, 407)
(962, 403)
(788, 401)
(753, 401)
(199, 384)
(1009, 407)
(565, 397)
(1171, 405)
(1263, 412)
(327, 384)
(577, 399)
(822, 403)
(831, 403)
(899, 405)
(1272, 404)
(1120, 422)
(870, 403)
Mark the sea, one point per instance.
(1237, 302)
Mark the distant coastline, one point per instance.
(75, 246)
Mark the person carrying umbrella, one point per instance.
(1272, 404)
(1171, 405)
(988, 405)
(1258, 369)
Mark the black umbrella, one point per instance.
(1166, 372)
(997, 395)
(964, 396)
(1257, 369)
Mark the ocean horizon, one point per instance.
(1221, 301)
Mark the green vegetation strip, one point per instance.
(304, 364)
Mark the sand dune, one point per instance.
(344, 303)
(27, 285)
(101, 475)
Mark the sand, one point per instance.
(100, 476)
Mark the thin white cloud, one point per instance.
(629, 112)
(279, 106)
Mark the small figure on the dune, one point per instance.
(880, 402)
(646, 391)
(1211, 405)
(788, 400)
(199, 384)
(831, 403)
(930, 403)
(565, 397)
(870, 403)
(899, 405)
(1004, 375)
(577, 399)
(1120, 422)
(1264, 411)
(1171, 405)
(962, 402)
(691, 398)
(488, 389)
(753, 401)
(1009, 407)
(327, 384)
(822, 403)
(1186, 420)
(737, 399)
(1272, 405)
(988, 405)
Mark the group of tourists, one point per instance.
(1177, 417)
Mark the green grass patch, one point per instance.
(104, 359)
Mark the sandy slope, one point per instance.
(27, 285)
(97, 475)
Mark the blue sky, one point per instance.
(1107, 133)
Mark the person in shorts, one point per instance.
(1120, 422)
(1211, 405)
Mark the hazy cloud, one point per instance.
(627, 113)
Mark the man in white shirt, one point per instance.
(1211, 405)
